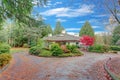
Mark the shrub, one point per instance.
(72, 48)
(4, 48)
(25, 45)
(5, 59)
(64, 48)
(40, 43)
(106, 48)
(115, 48)
(99, 48)
(56, 50)
(45, 53)
(35, 50)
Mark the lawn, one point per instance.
(16, 50)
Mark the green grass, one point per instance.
(16, 50)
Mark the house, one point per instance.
(62, 39)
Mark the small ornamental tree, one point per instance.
(87, 40)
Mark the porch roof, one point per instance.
(62, 38)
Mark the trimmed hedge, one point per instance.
(4, 48)
(115, 48)
(5, 59)
(99, 48)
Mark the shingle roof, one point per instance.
(62, 38)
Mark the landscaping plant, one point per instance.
(56, 49)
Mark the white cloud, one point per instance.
(102, 15)
(44, 18)
(72, 29)
(73, 33)
(69, 12)
(81, 22)
(95, 27)
(57, 3)
(61, 20)
(35, 2)
(91, 21)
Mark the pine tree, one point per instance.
(86, 30)
(116, 35)
(58, 29)
(49, 29)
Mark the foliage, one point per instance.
(65, 49)
(25, 45)
(86, 30)
(17, 10)
(72, 48)
(58, 29)
(56, 50)
(4, 59)
(35, 50)
(40, 43)
(4, 48)
(118, 42)
(87, 40)
(45, 53)
(19, 34)
(115, 48)
(99, 48)
(116, 35)
(49, 29)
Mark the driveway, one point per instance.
(27, 67)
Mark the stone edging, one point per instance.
(4, 68)
(112, 75)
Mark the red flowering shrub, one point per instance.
(87, 40)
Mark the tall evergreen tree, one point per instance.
(49, 29)
(86, 30)
(116, 35)
(58, 29)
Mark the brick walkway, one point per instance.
(28, 67)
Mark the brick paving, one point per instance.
(27, 67)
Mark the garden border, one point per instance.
(112, 75)
(4, 68)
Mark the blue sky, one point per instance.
(73, 14)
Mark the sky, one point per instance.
(73, 14)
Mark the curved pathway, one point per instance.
(28, 67)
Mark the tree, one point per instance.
(58, 29)
(86, 30)
(116, 35)
(111, 6)
(49, 29)
(18, 10)
(87, 40)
